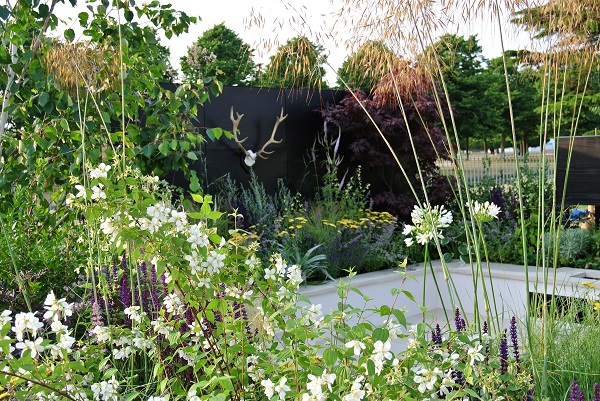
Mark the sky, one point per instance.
(282, 20)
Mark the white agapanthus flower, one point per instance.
(427, 224)
(483, 212)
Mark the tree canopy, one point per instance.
(220, 53)
(461, 65)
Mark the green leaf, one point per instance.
(128, 15)
(330, 357)
(69, 34)
(109, 373)
(43, 10)
(214, 133)
(132, 396)
(198, 198)
(44, 97)
(64, 124)
(191, 156)
(215, 238)
(83, 18)
(370, 367)
(214, 215)
(380, 334)
(4, 13)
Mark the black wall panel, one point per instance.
(583, 179)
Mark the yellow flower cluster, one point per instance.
(366, 219)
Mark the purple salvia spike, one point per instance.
(596, 392)
(153, 291)
(125, 291)
(115, 273)
(515, 340)
(576, 392)
(503, 354)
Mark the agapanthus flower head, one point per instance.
(427, 224)
(483, 212)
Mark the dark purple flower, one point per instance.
(576, 393)
(596, 392)
(503, 354)
(436, 335)
(153, 290)
(125, 291)
(515, 340)
(459, 322)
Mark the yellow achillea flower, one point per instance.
(588, 284)
(596, 305)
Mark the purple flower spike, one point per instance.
(436, 336)
(459, 322)
(596, 392)
(576, 393)
(503, 354)
(485, 327)
(514, 339)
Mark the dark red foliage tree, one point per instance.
(402, 106)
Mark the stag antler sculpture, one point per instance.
(250, 158)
